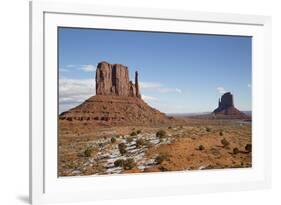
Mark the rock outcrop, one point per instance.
(113, 79)
(225, 102)
(117, 102)
(226, 108)
(114, 110)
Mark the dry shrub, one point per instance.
(225, 143)
(161, 158)
(113, 140)
(129, 139)
(236, 150)
(161, 133)
(122, 148)
(88, 152)
(126, 164)
(133, 134)
(140, 143)
(201, 147)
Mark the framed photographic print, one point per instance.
(129, 102)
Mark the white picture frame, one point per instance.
(46, 187)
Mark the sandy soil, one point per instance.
(196, 144)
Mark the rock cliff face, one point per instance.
(117, 102)
(113, 79)
(226, 108)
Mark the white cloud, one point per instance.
(221, 90)
(83, 67)
(178, 90)
(169, 90)
(70, 66)
(150, 85)
(158, 87)
(72, 92)
(87, 68)
(149, 98)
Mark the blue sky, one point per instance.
(179, 73)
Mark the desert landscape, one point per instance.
(115, 132)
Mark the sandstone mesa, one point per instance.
(117, 101)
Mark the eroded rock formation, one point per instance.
(226, 107)
(113, 79)
(117, 101)
(225, 102)
(114, 110)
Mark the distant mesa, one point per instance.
(225, 102)
(227, 109)
(117, 101)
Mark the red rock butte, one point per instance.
(226, 108)
(117, 101)
(113, 79)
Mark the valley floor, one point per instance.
(197, 144)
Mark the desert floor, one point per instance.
(197, 144)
